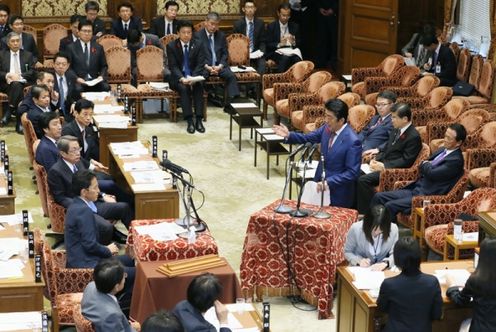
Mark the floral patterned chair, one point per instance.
(385, 69)
(300, 103)
(435, 99)
(463, 67)
(52, 34)
(282, 92)
(41, 183)
(455, 48)
(82, 324)
(439, 217)
(421, 88)
(484, 89)
(405, 76)
(109, 41)
(29, 136)
(168, 38)
(119, 70)
(297, 73)
(481, 156)
(359, 116)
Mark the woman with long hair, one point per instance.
(370, 242)
(479, 291)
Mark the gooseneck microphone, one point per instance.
(311, 152)
(167, 164)
(298, 149)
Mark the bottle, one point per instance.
(191, 235)
(458, 230)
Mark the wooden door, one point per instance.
(368, 32)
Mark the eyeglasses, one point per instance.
(86, 31)
(75, 151)
(382, 105)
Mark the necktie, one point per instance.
(125, 28)
(17, 69)
(186, 70)
(92, 206)
(212, 49)
(331, 140)
(87, 55)
(438, 158)
(397, 136)
(434, 60)
(251, 36)
(85, 144)
(1, 29)
(168, 32)
(74, 168)
(61, 94)
(377, 123)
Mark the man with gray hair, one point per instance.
(215, 46)
(16, 71)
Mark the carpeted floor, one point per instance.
(233, 189)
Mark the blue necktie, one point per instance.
(186, 69)
(251, 36)
(62, 94)
(212, 49)
(168, 28)
(92, 206)
(439, 158)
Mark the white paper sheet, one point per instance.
(11, 246)
(243, 105)
(311, 196)
(151, 177)
(106, 109)
(473, 236)
(365, 278)
(247, 69)
(94, 81)
(159, 85)
(142, 165)
(96, 96)
(11, 268)
(264, 131)
(289, 51)
(256, 54)
(459, 276)
(164, 231)
(347, 77)
(134, 149)
(409, 61)
(232, 322)
(365, 168)
(15, 219)
(16, 321)
(195, 79)
(273, 137)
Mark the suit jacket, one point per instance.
(47, 153)
(80, 237)
(175, 57)
(5, 31)
(193, 320)
(373, 136)
(117, 28)
(93, 150)
(411, 302)
(98, 64)
(98, 26)
(64, 42)
(403, 152)
(60, 181)
(273, 36)
(157, 27)
(103, 311)
(420, 53)
(34, 115)
(72, 94)
(258, 32)
(220, 46)
(446, 59)
(28, 104)
(28, 44)
(357, 245)
(342, 161)
(26, 61)
(439, 179)
(150, 40)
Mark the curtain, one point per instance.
(449, 18)
(492, 17)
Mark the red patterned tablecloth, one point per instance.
(145, 248)
(314, 248)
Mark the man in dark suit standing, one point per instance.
(66, 85)
(47, 153)
(376, 132)
(126, 21)
(282, 34)
(203, 293)
(16, 71)
(442, 63)
(253, 28)
(437, 175)
(4, 20)
(167, 24)
(341, 149)
(91, 9)
(83, 128)
(214, 42)
(73, 36)
(327, 33)
(28, 43)
(400, 151)
(88, 59)
(187, 58)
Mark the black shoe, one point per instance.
(191, 127)
(19, 129)
(6, 117)
(199, 126)
(119, 237)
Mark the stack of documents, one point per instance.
(14, 219)
(459, 276)
(142, 165)
(365, 278)
(156, 176)
(236, 69)
(111, 121)
(96, 96)
(11, 269)
(163, 231)
(135, 148)
(159, 85)
(107, 109)
(12, 246)
(233, 323)
(21, 321)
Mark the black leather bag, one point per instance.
(462, 88)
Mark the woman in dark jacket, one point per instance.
(479, 291)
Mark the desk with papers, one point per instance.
(133, 168)
(21, 321)
(358, 290)
(7, 202)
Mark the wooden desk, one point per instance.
(419, 225)
(357, 310)
(487, 225)
(148, 204)
(7, 202)
(457, 246)
(112, 135)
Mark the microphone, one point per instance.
(308, 145)
(312, 150)
(167, 164)
(298, 149)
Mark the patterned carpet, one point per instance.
(233, 189)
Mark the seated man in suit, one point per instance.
(437, 175)
(376, 132)
(166, 24)
(204, 292)
(400, 151)
(73, 36)
(253, 28)
(41, 104)
(125, 22)
(215, 46)
(282, 34)
(60, 186)
(442, 62)
(28, 43)
(47, 153)
(42, 78)
(88, 59)
(83, 128)
(16, 71)
(138, 40)
(340, 148)
(162, 321)
(187, 58)
(91, 8)
(66, 85)
(4, 20)
(100, 297)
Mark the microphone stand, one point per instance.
(282, 208)
(321, 214)
(297, 212)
